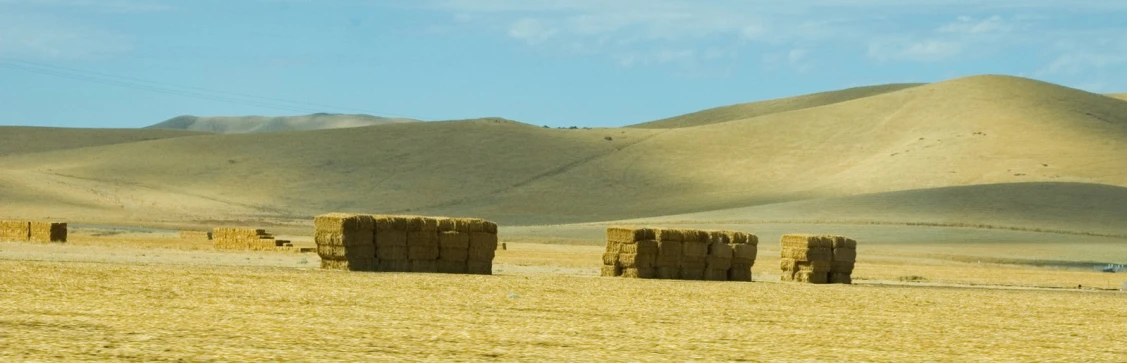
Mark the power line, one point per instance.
(174, 89)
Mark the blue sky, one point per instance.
(131, 63)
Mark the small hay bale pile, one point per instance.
(41, 232)
(811, 258)
(253, 239)
(46, 232)
(195, 235)
(407, 243)
(15, 231)
(685, 254)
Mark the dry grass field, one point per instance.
(150, 312)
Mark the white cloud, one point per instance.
(928, 50)
(531, 30)
(968, 25)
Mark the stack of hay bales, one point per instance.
(24, 231)
(16, 231)
(407, 243)
(45, 232)
(254, 239)
(195, 235)
(811, 258)
(686, 254)
(344, 241)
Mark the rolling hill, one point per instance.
(761, 108)
(260, 124)
(26, 140)
(973, 131)
(1122, 96)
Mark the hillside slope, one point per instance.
(259, 124)
(1122, 96)
(25, 140)
(761, 108)
(968, 131)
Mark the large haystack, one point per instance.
(403, 243)
(33, 231)
(817, 259)
(15, 231)
(686, 254)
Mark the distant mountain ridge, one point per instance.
(262, 124)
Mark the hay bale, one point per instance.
(611, 271)
(392, 253)
(635, 260)
(670, 235)
(430, 266)
(788, 264)
(479, 267)
(740, 272)
(805, 241)
(720, 237)
(669, 251)
(422, 245)
(638, 273)
(416, 223)
(610, 258)
(342, 229)
(483, 241)
(667, 272)
(647, 247)
(843, 267)
(403, 265)
(844, 254)
(786, 275)
(628, 235)
(811, 277)
(840, 278)
(16, 231)
(451, 267)
(454, 240)
(692, 270)
(474, 225)
(489, 227)
(821, 267)
(694, 249)
(453, 254)
(842, 242)
(46, 232)
(744, 254)
(445, 224)
(807, 254)
(389, 238)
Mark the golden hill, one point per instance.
(968, 131)
(258, 124)
(25, 140)
(1122, 96)
(761, 108)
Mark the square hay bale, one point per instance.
(391, 252)
(692, 271)
(489, 227)
(807, 254)
(844, 254)
(445, 224)
(451, 267)
(788, 264)
(658, 262)
(786, 275)
(646, 247)
(45, 232)
(635, 260)
(716, 274)
(344, 229)
(474, 225)
(752, 239)
(416, 223)
(718, 263)
(736, 237)
(430, 224)
(383, 222)
(693, 259)
(669, 250)
(453, 254)
(430, 266)
(821, 267)
(613, 247)
(611, 271)
(739, 272)
(668, 235)
(799, 240)
(483, 241)
(843, 242)
(334, 264)
(330, 252)
(844, 267)
(693, 249)
(719, 237)
(422, 253)
(16, 231)
(422, 238)
(391, 238)
(744, 254)
(479, 267)
(628, 235)
(403, 265)
(610, 258)
(812, 277)
(721, 250)
(482, 254)
(638, 273)
(839, 278)
(667, 272)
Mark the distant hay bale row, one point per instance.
(245, 239)
(817, 259)
(195, 235)
(683, 254)
(41, 232)
(404, 243)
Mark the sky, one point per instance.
(133, 63)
